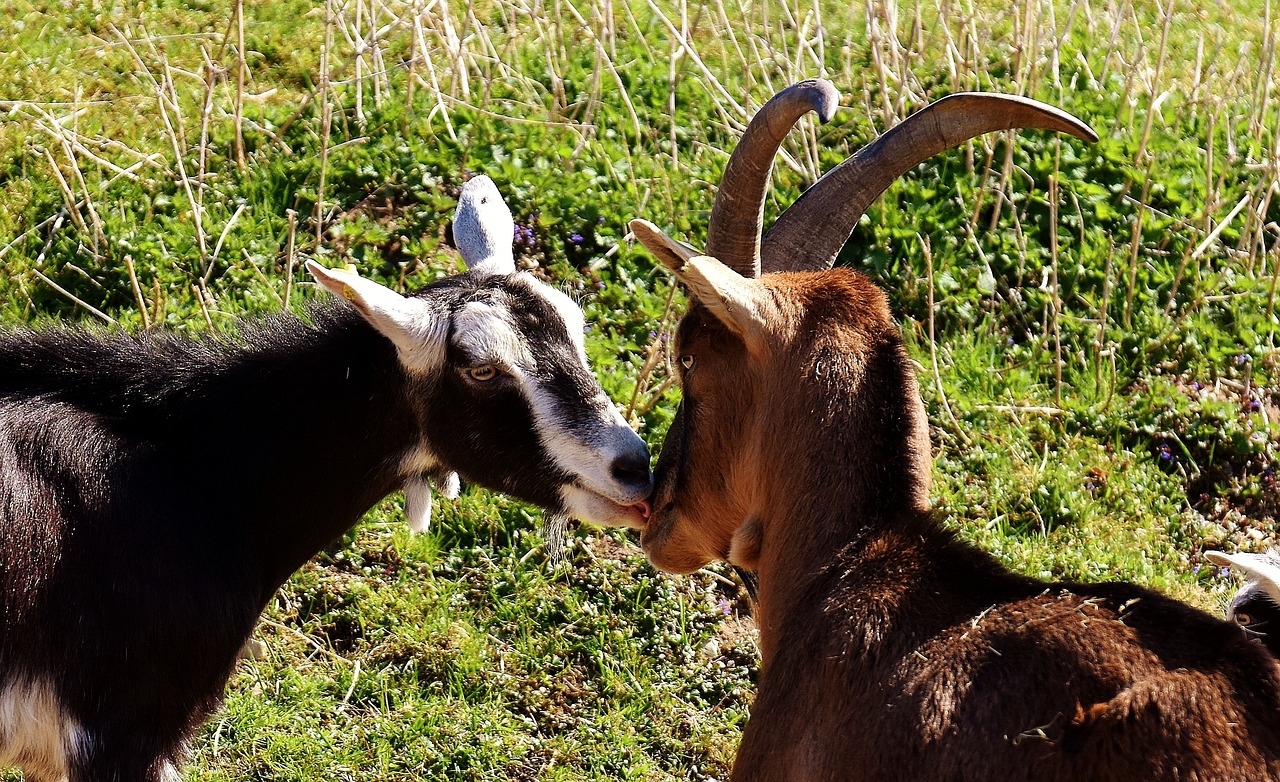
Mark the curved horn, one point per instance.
(733, 232)
(809, 234)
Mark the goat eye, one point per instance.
(686, 361)
(1244, 619)
(483, 372)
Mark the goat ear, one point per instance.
(483, 229)
(740, 303)
(1263, 569)
(669, 252)
(408, 322)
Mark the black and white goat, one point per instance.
(1256, 606)
(155, 490)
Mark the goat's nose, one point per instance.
(631, 469)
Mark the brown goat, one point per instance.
(890, 649)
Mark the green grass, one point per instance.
(1112, 427)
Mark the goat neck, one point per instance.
(799, 402)
(845, 442)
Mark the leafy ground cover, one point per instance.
(1095, 324)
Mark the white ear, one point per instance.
(483, 229)
(1260, 569)
(409, 323)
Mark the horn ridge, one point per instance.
(737, 215)
(810, 233)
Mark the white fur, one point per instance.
(34, 732)
(485, 334)
(569, 311)
(417, 503)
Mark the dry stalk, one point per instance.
(204, 305)
(1053, 260)
(241, 73)
(137, 291)
(70, 203)
(933, 345)
(165, 94)
(217, 247)
(657, 351)
(288, 262)
(326, 118)
(73, 298)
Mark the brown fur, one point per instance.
(890, 649)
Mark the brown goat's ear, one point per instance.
(669, 252)
(740, 303)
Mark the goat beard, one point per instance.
(555, 527)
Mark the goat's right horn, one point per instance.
(737, 216)
(810, 234)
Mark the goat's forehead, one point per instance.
(507, 322)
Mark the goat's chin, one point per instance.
(595, 508)
(665, 551)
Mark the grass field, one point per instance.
(1095, 324)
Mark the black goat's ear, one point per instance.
(417, 331)
(1260, 569)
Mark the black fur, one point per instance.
(155, 491)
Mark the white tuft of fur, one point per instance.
(417, 503)
(449, 484)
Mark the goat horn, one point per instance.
(737, 216)
(809, 234)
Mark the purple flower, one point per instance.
(576, 238)
(652, 334)
(725, 608)
(1255, 404)
(1243, 358)
(1166, 453)
(600, 284)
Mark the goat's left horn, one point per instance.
(810, 234)
(737, 216)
